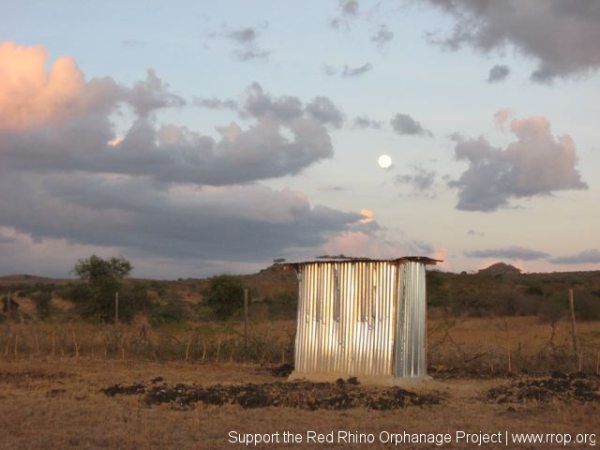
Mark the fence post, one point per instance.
(246, 317)
(573, 329)
(117, 308)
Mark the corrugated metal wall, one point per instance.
(349, 317)
(411, 332)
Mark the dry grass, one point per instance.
(56, 404)
(513, 344)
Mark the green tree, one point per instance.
(225, 295)
(100, 271)
(95, 299)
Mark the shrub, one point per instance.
(225, 295)
(42, 301)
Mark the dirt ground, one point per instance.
(65, 403)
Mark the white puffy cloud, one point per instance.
(537, 163)
(33, 97)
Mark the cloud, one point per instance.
(354, 72)
(132, 43)
(7, 239)
(498, 73)
(347, 71)
(73, 132)
(374, 244)
(364, 122)
(406, 125)
(501, 117)
(156, 190)
(333, 188)
(383, 36)
(562, 36)
(591, 256)
(244, 35)
(421, 180)
(324, 110)
(535, 164)
(182, 222)
(513, 252)
(348, 10)
(152, 94)
(472, 232)
(31, 97)
(329, 71)
(456, 137)
(248, 49)
(368, 216)
(216, 103)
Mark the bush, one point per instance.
(225, 295)
(42, 301)
(283, 305)
(96, 299)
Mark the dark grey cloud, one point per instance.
(364, 122)
(406, 125)
(246, 39)
(421, 179)
(513, 252)
(383, 36)
(536, 164)
(216, 103)
(498, 73)
(354, 72)
(561, 35)
(591, 256)
(132, 214)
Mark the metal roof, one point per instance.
(342, 258)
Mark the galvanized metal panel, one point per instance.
(362, 317)
(346, 320)
(411, 324)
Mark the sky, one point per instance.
(197, 138)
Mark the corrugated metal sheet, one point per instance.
(411, 326)
(361, 317)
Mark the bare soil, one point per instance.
(63, 403)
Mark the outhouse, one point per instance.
(361, 317)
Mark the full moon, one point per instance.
(384, 161)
